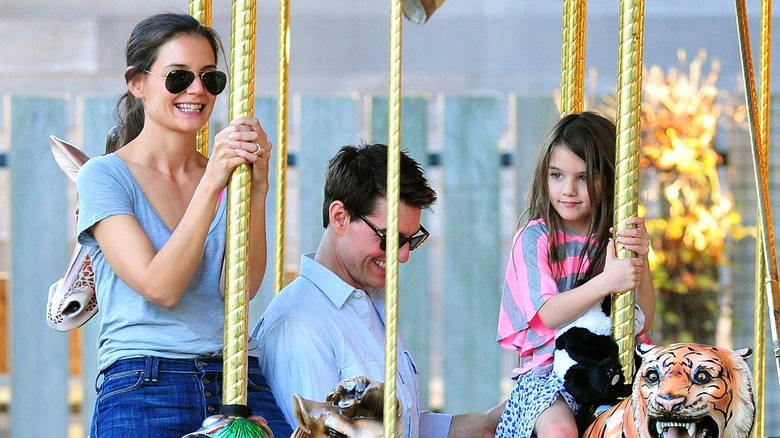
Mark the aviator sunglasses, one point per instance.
(176, 81)
(414, 241)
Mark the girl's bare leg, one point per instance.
(557, 421)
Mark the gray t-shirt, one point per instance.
(130, 325)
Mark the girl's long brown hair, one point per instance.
(591, 137)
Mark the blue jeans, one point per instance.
(152, 397)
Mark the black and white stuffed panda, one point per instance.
(587, 357)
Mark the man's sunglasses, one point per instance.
(176, 81)
(414, 241)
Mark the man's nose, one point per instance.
(403, 253)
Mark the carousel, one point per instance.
(662, 402)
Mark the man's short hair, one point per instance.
(357, 176)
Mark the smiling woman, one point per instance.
(153, 216)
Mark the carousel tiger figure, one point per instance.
(684, 391)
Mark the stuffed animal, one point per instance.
(587, 358)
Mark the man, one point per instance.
(329, 323)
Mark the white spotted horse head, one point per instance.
(72, 300)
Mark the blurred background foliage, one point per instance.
(691, 218)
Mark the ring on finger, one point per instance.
(259, 151)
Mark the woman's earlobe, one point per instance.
(135, 89)
(134, 84)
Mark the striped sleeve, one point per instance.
(528, 284)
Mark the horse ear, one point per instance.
(68, 157)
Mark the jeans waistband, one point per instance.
(152, 365)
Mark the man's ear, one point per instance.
(134, 84)
(339, 217)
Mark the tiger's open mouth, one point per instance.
(702, 428)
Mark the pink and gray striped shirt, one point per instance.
(530, 281)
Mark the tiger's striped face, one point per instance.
(693, 390)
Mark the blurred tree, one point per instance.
(691, 220)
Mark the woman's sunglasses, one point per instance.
(176, 81)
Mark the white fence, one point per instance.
(478, 151)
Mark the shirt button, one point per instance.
(206, 381)
(357, 294)
(201, 364)
(409, 406)
(210, 408)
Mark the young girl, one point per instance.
(563, 262)
(155, 223)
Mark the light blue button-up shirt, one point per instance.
(320, 330)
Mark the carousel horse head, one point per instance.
(353, 409)
(72, 300)
(686, 391)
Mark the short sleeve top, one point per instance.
(130, 325)
(532, 279)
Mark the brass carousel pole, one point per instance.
(759, 323)
(236, 418)
(201, 10)
(281, 152)
(393, 194)
(760, 170)
(573, 56)
(629, 99)
(242, 97)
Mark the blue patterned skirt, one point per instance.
(532, 394)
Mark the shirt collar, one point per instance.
(330, 284)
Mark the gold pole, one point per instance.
(235, 419)
(629, 99)
(393, 193)
(242, 85)
(759, 327)
(760, 170)
(579, 69)
(281, 152)
(573, 56)
(566, 58)
(201, 10)
(759, 324)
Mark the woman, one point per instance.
(153, 215)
